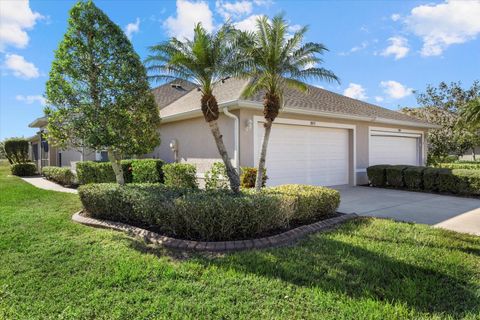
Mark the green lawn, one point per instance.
(51, 267)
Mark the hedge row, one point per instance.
(459, 165)
(137, 170)
(23, 169)
(457, 181)
(61, 175)
(214, 215)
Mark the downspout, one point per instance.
(236, 138)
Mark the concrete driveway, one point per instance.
(448, 212)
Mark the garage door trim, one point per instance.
(257, 142)
(395, 132)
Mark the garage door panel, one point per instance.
(394, 150)
(306, 155)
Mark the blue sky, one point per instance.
(381, 51)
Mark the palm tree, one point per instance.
(203, 60)
(277, 61)
(471, 113)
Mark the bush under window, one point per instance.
(214, 215)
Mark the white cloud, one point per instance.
(395, 17)
(444, 24)
(31, 99)
(233, 10)
(265, 3)
(398, 48)
(395, 89)
(16, 17)
(378, 99)
(188, 14)
(20, 67)
(355, 91)
(248, 24)
(132, 28)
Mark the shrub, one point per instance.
(310, 202)
(23, 169)
(102, 172)
(413, 177)
(430, 178)
(377, 175)
(63, 176)
(180, 175)
(248, 177)
(147, 170)
(213, 215)
(459, 181)
(460, 165)
(216, 177)
(394, 175)
(16, 150)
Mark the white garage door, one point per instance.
(305, 155)
(394, 150)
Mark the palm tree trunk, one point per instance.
(232, 174)
(115, 160)
(263, 155)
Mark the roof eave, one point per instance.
(38, 123)
(235, 104)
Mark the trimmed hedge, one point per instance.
(460, 165)
(395, 175)
(456, 181)
(377, 175)
(248, 177)
(214, 215)
(23, 169)
(63, 176)
(180, 175)
(136, 170)
(413, 177)
(147, 170)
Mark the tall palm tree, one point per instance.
(203, 60)
(471, 113)
(275, 61)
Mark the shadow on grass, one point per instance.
(336, 266)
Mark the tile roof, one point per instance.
(171, 101)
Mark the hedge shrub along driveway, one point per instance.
(375, 269)
(456, 181)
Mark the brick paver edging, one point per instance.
(217, 246)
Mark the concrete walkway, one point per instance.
(42, 183)
(448, 212)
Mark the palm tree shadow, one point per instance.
(340, 267)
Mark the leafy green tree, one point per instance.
(15, 150)
(442, 105)
(2, 150)
(276, 60)
(204, 60)
(98, 92)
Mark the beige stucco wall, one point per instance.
(195, 141)
(196, 144)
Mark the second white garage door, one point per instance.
(387, 149)
(306, 155)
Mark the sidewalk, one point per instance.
(42, 183)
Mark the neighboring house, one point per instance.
(471, 154)
(319, 138)
(45, 154)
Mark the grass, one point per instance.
(51, 267)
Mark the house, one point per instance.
(319, 138)
(44, 154)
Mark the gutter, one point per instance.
(236, 104)
(236, 137)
